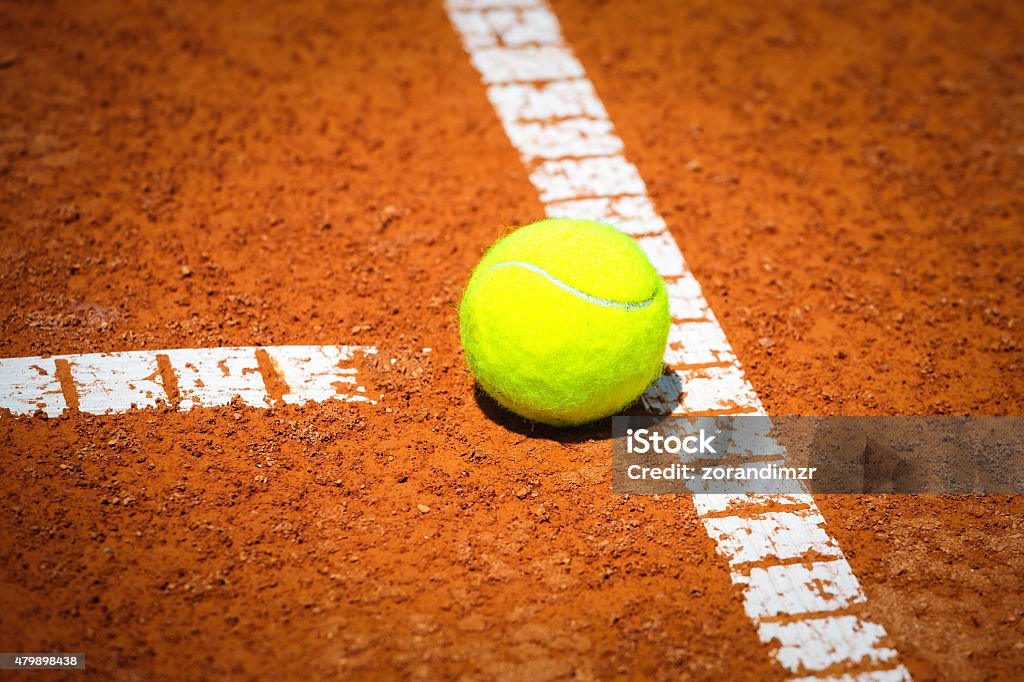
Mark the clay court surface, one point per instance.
(845, 181)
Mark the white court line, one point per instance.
(109, 383)
(792, 573)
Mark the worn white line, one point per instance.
(116, 382)
(784, 561)
(838, 640)
(698, 343)
(28, 385)
(792, 589)
(320, 373)
(633, 215)
(547, 101)
(208, 377)
(774, 535)
(559, 139)
(599, 176)
(526, 64)
(109, 383)
(666, 257)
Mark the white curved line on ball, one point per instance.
(568, 288)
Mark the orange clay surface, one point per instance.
(845, 180)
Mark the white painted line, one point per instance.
(559, 139)
(716, 389)
(775, 535)
(601, 176)
(547, 101)
(511, 65)
(664, 253)
(30, 384)
(108, 383)
(554, 118)
(792, 589)
(839, 639)
(724, 501)
(504, 26)
(749, 438)
(116, 382)
(320, 373)
(685, 299)
(210, 377)
(698, 343)
(633, 215)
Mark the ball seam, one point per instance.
(568, 288)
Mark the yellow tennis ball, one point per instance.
(564, 321)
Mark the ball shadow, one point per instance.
(600, 430)
(660, 400)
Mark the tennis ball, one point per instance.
(564, 321)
